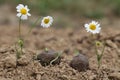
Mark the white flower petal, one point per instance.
(20, 6)
(26, 7)
(19, 14)
(93, 22)
(86, 25)
(98, 25)
(28, 14)
(18, 10)
(24, 17)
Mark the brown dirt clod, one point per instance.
(80, 63)
(46, 57)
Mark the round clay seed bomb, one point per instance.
(80, 63)
(46, 57)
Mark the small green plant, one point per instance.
(23, 13)
(57, 57)
(49, 57)
(99, 48)
(94, 28)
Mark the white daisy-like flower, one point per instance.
(47, 21)
(23, 11)
(93, 27)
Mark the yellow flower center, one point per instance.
(92, 26)
(23, 11)
(46, 21)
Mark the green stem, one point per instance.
(20, 41)
(99, 57)
(99, 60)
(59, 54)
(20, 28)
(96, 51)
(103, 50)
(21, 49)
(17, 52)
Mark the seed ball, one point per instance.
(47, 56)
(80, 63)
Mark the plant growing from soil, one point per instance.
(99, 48)
(23, 13)
(94, 28)
(49, 57)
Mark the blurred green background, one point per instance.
(90, 9)
(87, 8)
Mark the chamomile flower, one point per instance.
(47, 21)
(93, 27)
(23, 11)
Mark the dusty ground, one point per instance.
(66, 40)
